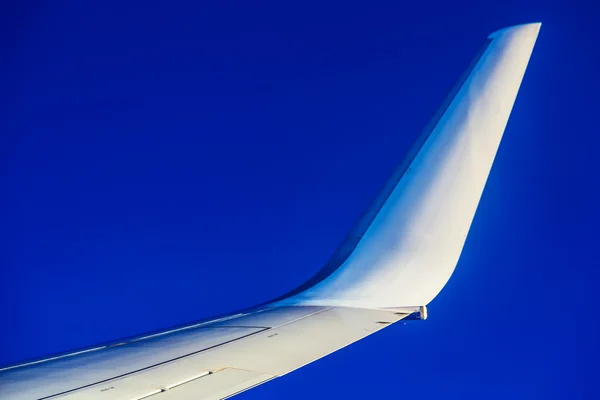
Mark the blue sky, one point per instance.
(162, 163)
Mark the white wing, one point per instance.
(397, 259)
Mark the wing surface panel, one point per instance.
(298, 336)
(59, 376)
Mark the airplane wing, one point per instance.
(396, 260)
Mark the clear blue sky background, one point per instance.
(163, 162)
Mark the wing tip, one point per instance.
(531, 28)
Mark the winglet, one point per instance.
(408, 244)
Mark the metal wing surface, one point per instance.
(390, 266)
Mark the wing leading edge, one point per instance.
(397, 259)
